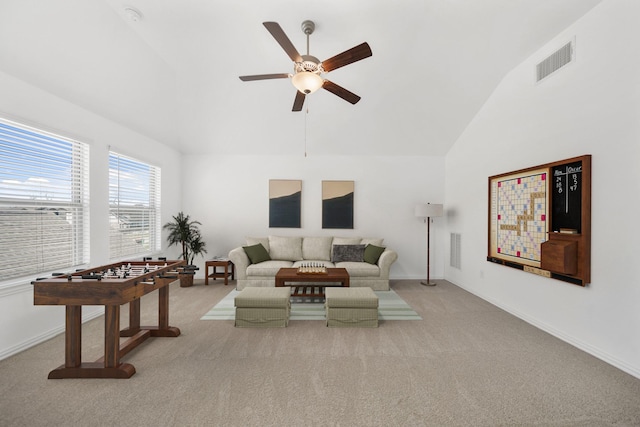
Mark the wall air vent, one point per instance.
(454, 258)
(555, 61)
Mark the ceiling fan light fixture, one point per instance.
(307, 82)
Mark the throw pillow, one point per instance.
(346, 253)
(256, 253)
(372, 253)
(264, 240)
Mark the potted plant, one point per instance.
(186, 233)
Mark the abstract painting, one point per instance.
(285, 202)
(337, 204)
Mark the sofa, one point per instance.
(366, 260)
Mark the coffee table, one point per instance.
(311, 285)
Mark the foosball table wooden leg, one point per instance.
(163, 329)
(163, 307)
(134, 315)
(73, 336)
(111, 336)
(108, 366)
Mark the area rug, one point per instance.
(390, 307)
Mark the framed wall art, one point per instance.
(337, 204)
(285, 203)
(540, 220)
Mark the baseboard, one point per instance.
(586, 347)
(33, 341)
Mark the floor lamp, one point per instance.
(428, 211)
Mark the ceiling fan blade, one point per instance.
(282, 39)
(347, 57)
(341, 92)
(299, 101)
(264, 77)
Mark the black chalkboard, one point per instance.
(566, 197)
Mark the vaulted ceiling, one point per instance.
(173, 75)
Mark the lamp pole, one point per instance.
(428, 211)
(428, 282)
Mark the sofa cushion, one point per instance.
(267, 268)
(316, 248)
(360, 269)
(343, 253)
(370, 241)
(256, 253)
(347, 240)
(285, 248)
(372, 253)
(264, 241)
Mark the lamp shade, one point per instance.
(429, 210)
(307, 82)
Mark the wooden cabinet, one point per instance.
(560, 256)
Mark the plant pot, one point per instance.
(187, 275)
(186, 279)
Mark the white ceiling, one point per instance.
(173, 75)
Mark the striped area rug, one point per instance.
(390, 307)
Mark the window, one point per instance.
(44, 202)
(134, 207)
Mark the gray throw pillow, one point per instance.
(256, 253)
(346, 253)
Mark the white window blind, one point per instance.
(134, 207)
(44, 202)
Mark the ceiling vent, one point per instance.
(555, 61)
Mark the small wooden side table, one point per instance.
(228, 269)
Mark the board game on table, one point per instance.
(110, 285)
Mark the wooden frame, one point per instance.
(540, 220)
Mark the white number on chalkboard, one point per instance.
(559, 184)
(574, 187)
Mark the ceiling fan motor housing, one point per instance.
(309, 63)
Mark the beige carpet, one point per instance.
(466, 363)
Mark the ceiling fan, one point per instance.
(308, 69)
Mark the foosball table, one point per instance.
(112, 286)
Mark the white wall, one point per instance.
(590, 107)
(229, 195)
(24, 324)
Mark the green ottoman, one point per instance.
(263, 307)
(351, 307)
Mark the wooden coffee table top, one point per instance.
(332, 275)
(311, 285)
